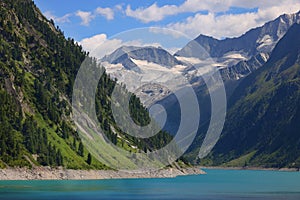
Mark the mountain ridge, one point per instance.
(151, 54)
(275, 28)
(262, 128)
(253, 43)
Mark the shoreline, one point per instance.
(251, 168)
(48, 173)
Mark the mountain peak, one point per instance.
(291, 15)
(148, 53)
(260, 39)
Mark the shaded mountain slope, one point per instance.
(262, 126)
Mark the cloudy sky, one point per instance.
(96, 20)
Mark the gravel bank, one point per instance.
(47, 173)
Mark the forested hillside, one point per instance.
(38, 66)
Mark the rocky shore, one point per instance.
(47, 173)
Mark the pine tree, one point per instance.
(89, 159)
(74, 146)
(59, 158)
(80, 149)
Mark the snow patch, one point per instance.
(235, 55)
(191, 60)
(267, 40)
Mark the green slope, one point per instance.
(262, 125)
(38, 66)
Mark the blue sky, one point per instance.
(83, 20)
(99, 24)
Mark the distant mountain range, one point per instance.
(136, 66)
(262, 126)
(257, 40)
(233, 54)
(260, 70)
(235, 57)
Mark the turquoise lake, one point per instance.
(216, 184)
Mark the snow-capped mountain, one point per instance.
(150, 72)
(236, 52)
(150, 54)
(257, 40)
(244, 67)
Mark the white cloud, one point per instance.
(108, 13)
(152, 13)
(86, 17)
(227, 25)
(230, 25)
(89, 44)
(200, 5)
(99, 45)
(156, 13)
(63, 19)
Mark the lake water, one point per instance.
(216, 184)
